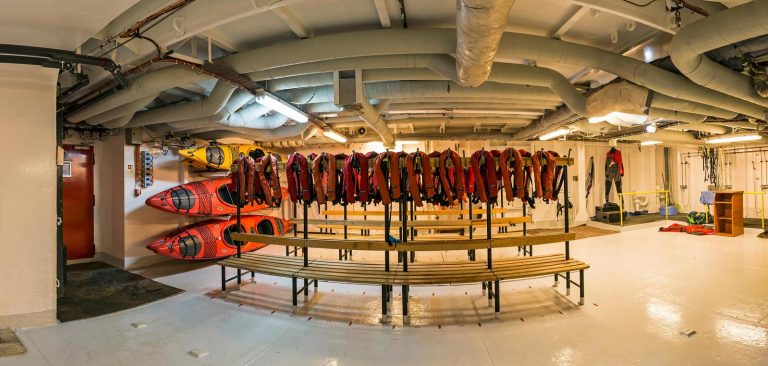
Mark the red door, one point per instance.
(78, 201)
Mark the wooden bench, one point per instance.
(404, 274)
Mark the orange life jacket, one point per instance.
(482, 177)
(269, 176)
(356, 178)
(299, 182)
(420, 180)
(451, 179)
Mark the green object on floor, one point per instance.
(96, 288)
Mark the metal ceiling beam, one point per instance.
(381, 10)
(290, 19)
(653, 15)
(570, 22)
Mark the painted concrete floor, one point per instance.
(643, 289)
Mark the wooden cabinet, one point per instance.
(729, 213)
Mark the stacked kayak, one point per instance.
(205, 198)
(211, 239)
(220, 156)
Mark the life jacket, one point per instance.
(320, 176)
(512, 188)
(674, 228)
(699, 230)
(439, 195)
(547, 174)
(451, 179)
(558, 180)
(386, 170)
(299, 182)
(269, 176)
(337, 175)
(482, 177)
(356, 178)
(418, 166)
(245, 178)
(373, 185)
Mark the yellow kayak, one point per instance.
(220, 156)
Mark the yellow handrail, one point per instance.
(762, 206)
(621, 203)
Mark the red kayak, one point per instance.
(204, 198)
(211, 239)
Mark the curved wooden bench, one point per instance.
(417, 274)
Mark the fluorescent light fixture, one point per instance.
(333, 135)
(620, 118)
(651, 128)
(649, 143)
(734, 138)
(553, 134)
(282, 107)
(406, 142)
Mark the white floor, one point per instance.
(643, 289)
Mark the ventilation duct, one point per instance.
(511, 46)
(121, 112)
(208, 106)
(717, 30)
(618, 97)
(479, 27)
(139, 87)
(372, 116)
(665, 136)
(700, 127)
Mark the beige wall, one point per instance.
(28, 196)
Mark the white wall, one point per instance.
(28, 196)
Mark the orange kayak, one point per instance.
(210, 239)
(204, 198)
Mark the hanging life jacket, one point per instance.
(244, 178)
(482, 177)
(512, 187)
(451, 178)
(298, 176)
(373, 185)
(321, 173)
(269, 175)
(338, 177)
(386, 170)
(420, 180)
(547, 174)
(356, 178)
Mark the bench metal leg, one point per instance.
(581, 287)
(567, 283)
(306, 288)
(497, 301)
(413, 255)
(384, 294)
(555, 284)
(239, 278)
(223, 280)
(490, 293)
(253, 277)
(406, 318)
(295, 296)
(315, 285)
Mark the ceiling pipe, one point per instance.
(150, 83)
(117, 122)
(674, 104)
(238, 100)
(659, 113)
(717, 30)
(742, 125)
(700, 127)
(127, 109)
(205, 107)
(511, 46)
(550, 120)
(479, 27)
(665, 136)
(372, 116)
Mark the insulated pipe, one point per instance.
(372, 116)
(433, 121)
(205, 107)
(700, 127)
(665, 136)
(127, 109)
(512, 46)
(266, 122)
(717, 30)
(117, 122)
(237, 101)
(479, 27)
(150, 83)
(656, 113)
(666, 102)
(548, 121)
(737, 124)
(448, 107)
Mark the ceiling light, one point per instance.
(651, 128)
(278, 105)
(406, 142)
(333, 135)
(734, 138)
(649, 143)
(553, 134)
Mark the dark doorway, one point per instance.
(78, 201)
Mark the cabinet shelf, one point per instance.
(729, 214)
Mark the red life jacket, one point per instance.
(558, 177)
(356, 178)
(387, 165)
(482, 177)
(547, 174)
(373, 185)
(244, 178)
(532, 177)
(451, 179)
(269, 176)
(299, 182)
(320, 176)
(420, 181)
(338, 177)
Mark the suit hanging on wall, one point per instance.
(614, 170)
